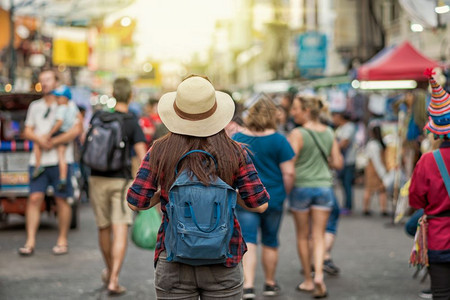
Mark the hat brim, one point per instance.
(432, 127)
(199, 128)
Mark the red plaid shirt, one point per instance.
(251, 190)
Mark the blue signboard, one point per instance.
(312, 54)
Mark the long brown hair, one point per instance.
(167, 151)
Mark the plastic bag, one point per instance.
(145, 228)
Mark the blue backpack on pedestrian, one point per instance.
(201, 219)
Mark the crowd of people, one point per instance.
(275, 154)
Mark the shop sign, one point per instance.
(312, 54)
(70, 47)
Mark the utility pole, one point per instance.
(12, 52)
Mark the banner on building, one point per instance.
(312, 54)
(70, 47)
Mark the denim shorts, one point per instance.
(180, 281)
(303, 198)
(50, 177)
(269, 222)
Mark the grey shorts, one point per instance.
(181, 281)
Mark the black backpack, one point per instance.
(106, 146)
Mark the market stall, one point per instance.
(401, 66)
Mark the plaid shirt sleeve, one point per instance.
(250, 187)
(254, 194)
(144, 185)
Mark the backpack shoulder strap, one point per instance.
(442, 169)
(194, 151)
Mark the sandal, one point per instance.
(300, 289)
(26, 251)
(37, 172)
(119, 291)
(60, 249)
(320, 291)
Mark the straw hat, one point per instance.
(196, 108)
(439, 109)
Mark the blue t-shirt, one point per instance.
(267, 153)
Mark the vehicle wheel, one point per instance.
(3, 218)
(75, 216)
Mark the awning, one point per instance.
(396, 63)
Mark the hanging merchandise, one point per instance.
(377, 104)
(338, 100)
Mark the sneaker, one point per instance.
(330, 268)
(62, 185)
(271, 290)
(367, 213)
(37, 172)
(426, 294)
(249, 293)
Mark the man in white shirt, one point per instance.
(41, 116)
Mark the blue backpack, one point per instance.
(201, 219)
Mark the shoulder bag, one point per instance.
(322, 152)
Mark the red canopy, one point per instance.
(401, 62)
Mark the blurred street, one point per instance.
(373, 259)
(366, 76)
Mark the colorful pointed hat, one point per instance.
(439, 108)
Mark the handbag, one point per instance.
(145, 228)
(419, 252)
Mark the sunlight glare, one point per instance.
(174, 29)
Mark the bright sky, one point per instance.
(174, 28)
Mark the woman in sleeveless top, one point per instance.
(316, 150)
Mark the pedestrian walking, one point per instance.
(375, 173)
(345, 135)
(197, 167)
(41, 117)
(67, 114)
(430, 190)
(331, 229)
(272, 155)
(311, 199)
(329, 266)
(107, 186)
(150, 120)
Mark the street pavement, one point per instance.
(373, 259)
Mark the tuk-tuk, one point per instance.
(15, 153)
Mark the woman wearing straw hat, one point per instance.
(196, 116)
(430, 190)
